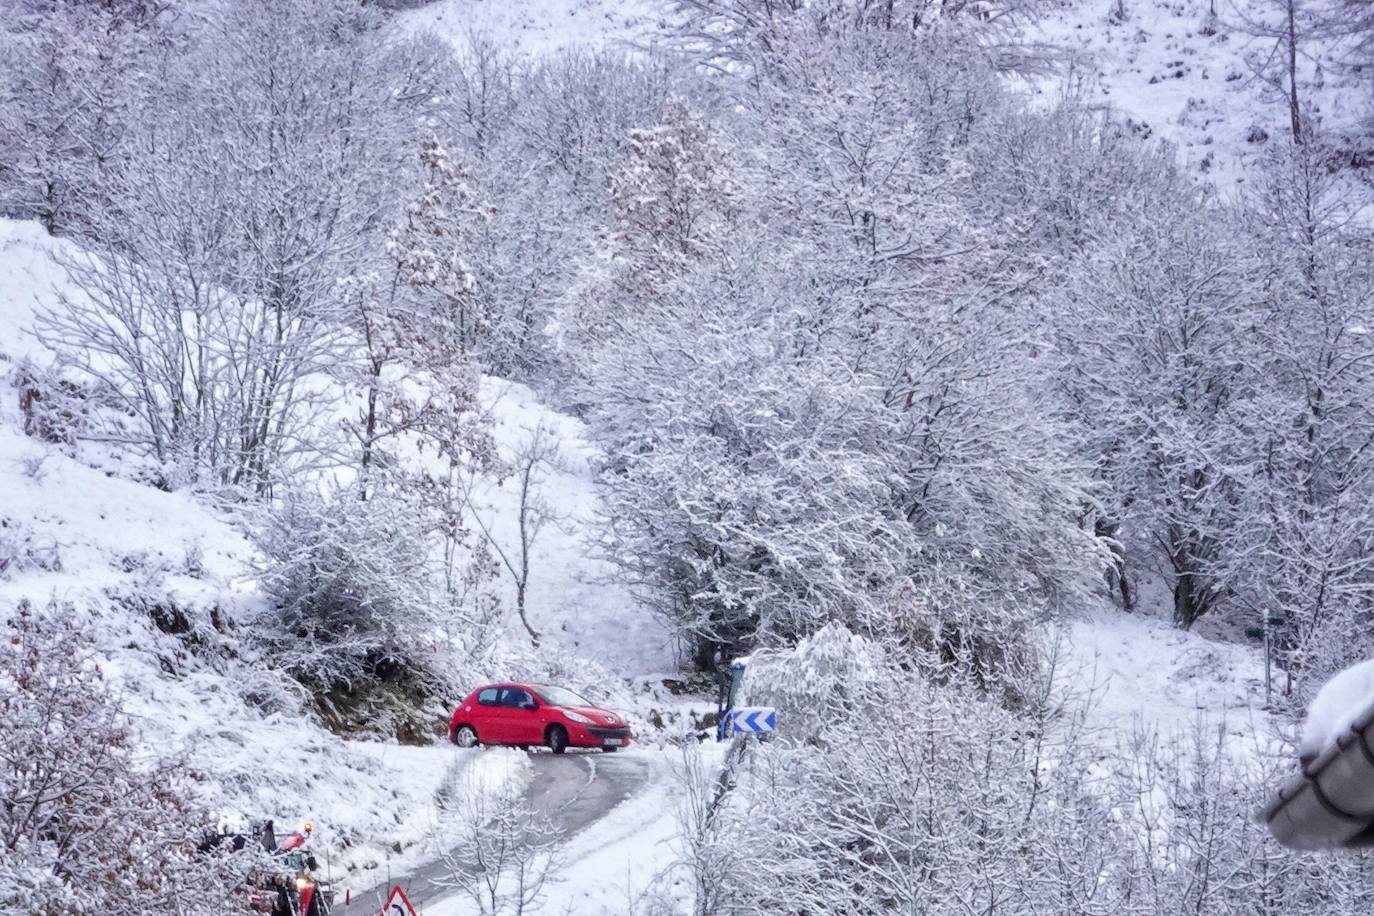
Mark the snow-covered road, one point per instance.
(573, 791)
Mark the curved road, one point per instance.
(573, 791)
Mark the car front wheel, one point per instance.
(557, 739)
(465, 736)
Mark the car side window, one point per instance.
(515, 698)
(487, 697)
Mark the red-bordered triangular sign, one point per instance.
(398, 904)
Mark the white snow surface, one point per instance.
(540, 26)
(1138, 668)
(1341, 701)
(573, 597)
(1176, 73)
(30, 279)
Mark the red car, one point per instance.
(528, 714)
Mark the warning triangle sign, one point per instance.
(398, 904)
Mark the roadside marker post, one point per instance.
(730, 692)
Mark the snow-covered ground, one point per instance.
(540, 26)
(573, 596)
(1132, 668)
(1174, 71)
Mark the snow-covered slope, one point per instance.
(1177, 72)
(540, 26)
(162, 582)
(573, 597)
(1131, 668)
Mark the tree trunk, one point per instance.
(1294, 110)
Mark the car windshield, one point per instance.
(557, 696)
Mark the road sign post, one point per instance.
(730, 694)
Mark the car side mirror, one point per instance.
(529, 704)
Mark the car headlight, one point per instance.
(302, 883)
(578, 717)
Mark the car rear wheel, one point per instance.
(557, 739)
(465, 736)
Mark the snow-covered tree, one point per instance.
(210, 307)
(76, 74)
(497, 848)
(1313, 565)
(433, 246)
(829, 413)
(88, 823)
(1160, 362)
(346, 580)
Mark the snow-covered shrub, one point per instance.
(193, 560)
(928, 796)
(353, 613)
(88, 824)
(346, 579)
(708, 830)
(54, 409)
(1185, 804)
(934, 800)
(827, 674)
(21, 549)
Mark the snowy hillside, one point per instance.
(168, 582)
(165, 582)
(890, 366)
(573, 595)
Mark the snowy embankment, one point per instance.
(163, 581)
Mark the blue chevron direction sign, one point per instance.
(753, 720)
